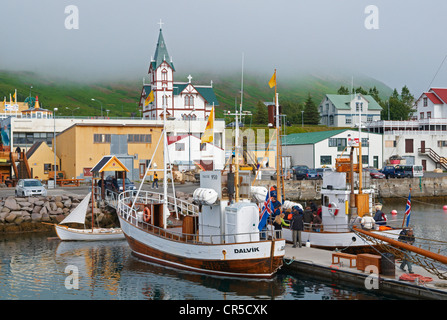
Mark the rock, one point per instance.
(43, 210)
(11, 204)
(18, 220)
(36, 217)
(10, 217)
(46, 218)
(17, 213)
(39, 203)
(59, 218)
(37, 209)
(58, 199)
(67, 203)
(24, 204)
(59, 204)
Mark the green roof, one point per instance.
(309, 137)
(342, 101)
(161, 53)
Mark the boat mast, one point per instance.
(165, 157)
(278, 149)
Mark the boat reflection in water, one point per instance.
(112, 269)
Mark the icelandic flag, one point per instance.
(408, 209)
(266, 212)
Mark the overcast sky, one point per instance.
(116, 39)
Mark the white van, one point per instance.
(414, 171)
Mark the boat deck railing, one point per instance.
(129, 208)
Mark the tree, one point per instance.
(261, 114)
(311, 114)
(343, 90)
(400, 106)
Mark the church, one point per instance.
(183, 100)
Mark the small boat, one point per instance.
(91, 234)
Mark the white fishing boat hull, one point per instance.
(97, 234)
(246, 259)
(337, 240)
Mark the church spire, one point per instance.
(161, 52)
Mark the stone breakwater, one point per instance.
(28, 213)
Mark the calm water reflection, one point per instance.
(33, 267)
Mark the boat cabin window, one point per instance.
(324, 201)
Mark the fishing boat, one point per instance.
(78, 215)
(346, 197)
(217, 235)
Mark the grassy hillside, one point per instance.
(121, 97)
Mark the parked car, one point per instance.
(301, 173)
(119, 182)
(312, 174)
(321, 170)
(390, 172)
(30, 187)
(296, 169)
(375, 174)
(410, 171)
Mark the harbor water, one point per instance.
(35, 266)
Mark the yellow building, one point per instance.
(40, 160)
(82, 145)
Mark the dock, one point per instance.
(318, 263)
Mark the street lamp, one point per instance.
(54, 148)
(100, 103)
(72, 110)
(302, 118)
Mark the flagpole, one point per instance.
(278, 159)
(405, 214)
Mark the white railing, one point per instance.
(127, 199)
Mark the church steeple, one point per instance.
(161, 53)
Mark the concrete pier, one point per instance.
(318, 263)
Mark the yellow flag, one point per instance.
(15, 96)
(149, 99)
(208, 135)
(272, 82)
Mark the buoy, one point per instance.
(445, 208)
(393, 212)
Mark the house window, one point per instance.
(340, 143)
(421, 115)
(365, 142)
(325, 160)
(139, 138)
(101, 138)
(425, 102)
(348, 119)
(179, 146)
(357, 105)
(428, 114)
(331, 120)
(46, 167)
(409, 146)
(442, 143)
(369, 118)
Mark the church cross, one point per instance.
(160, 23)
(189, 78)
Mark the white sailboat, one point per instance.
(91, 234)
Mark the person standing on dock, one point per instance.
(297, 225)
(406, 236)
(155, 182)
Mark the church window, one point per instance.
(164, 75)
(189, 101)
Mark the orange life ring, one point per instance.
(147, 214)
